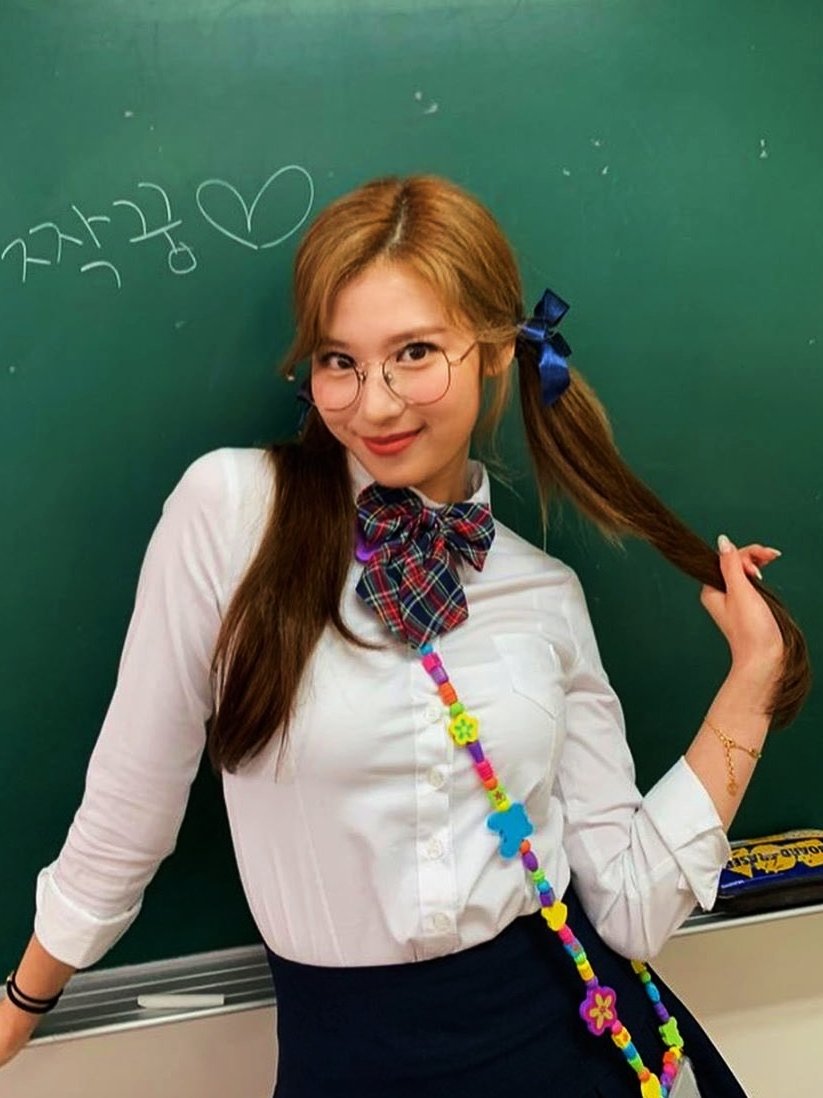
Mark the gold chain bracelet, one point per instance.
(728, 744)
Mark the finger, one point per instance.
(754, 555)
(752, 571)
(761, 554)
(712, 599)
(714, 603)
(731, 562)
(736, 569)
(750, 567)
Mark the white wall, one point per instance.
(759, 992)
(758, 989)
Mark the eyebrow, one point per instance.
(400, 337)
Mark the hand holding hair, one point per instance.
(742, 614)
(730, 741)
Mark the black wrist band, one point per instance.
(28, 1002)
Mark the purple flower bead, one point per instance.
(599, 1009)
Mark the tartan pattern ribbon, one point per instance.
(411, 553)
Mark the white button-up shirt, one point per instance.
(369, 844)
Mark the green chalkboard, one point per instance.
(659, 165)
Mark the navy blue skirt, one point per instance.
(498, 1017)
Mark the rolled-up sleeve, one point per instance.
(639, 864)
(153, 735)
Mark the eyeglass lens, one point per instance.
(416, 374)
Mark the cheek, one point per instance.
(466, 389)
(459, 411)
(335, 424)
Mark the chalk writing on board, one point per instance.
(103, 264)
(207, 190)
(28, 260)
(59, 237)
(432, 108)
(177, 248)
(97, 264)
(89, 221)
(152, 219)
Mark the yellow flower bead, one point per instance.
(555, 915)
(463, 729)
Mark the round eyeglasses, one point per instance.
(417, 373)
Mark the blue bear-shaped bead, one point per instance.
(513, 826)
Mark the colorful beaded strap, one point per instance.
(410, 552)
(509, 819)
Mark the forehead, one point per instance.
(384, 299)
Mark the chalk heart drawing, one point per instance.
(268, 192)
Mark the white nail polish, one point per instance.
(757, 572)
(723, 544)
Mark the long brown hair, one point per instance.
(292, 589)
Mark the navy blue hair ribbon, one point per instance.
(554, 350)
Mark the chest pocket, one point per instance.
(534, 670)
(536, 678)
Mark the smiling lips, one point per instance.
(391, 444)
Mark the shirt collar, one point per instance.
(478, 482)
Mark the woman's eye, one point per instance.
(334, 361)
(417, 353)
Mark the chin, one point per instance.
(388, 476)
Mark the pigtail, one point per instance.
(574, 454)
(288, 596)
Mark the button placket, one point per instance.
(435, 713)
(435, 848)
(435, 777)
(437, 877)
(442, 922)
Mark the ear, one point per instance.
(501, 360)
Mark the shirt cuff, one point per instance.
(686, 819)
(67, 932)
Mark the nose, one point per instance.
(377, 402)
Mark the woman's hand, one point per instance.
(42, 976)
(16, 1027)
(742, 614)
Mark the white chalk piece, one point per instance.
(180, 1001)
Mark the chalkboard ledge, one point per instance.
(105, 1000)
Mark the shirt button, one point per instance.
(434, 714)
(436, 779)
(441, 922)
(434, 848)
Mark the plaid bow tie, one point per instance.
(411, 554)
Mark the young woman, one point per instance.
(425, 768)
